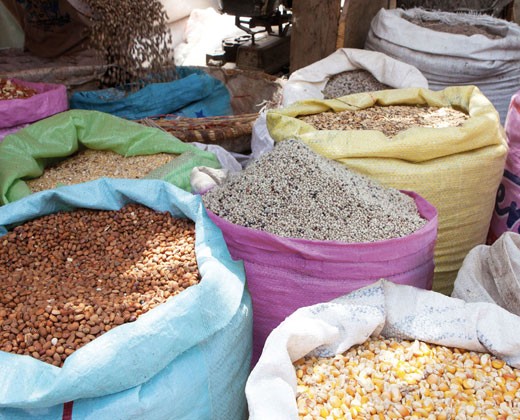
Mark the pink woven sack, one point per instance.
(284, 274)
(506, 216)
(17, 113)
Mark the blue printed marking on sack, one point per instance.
(512, 211)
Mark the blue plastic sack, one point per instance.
(188, 358)
(194, 95)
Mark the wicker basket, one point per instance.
(232, 132)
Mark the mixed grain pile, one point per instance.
(388, 119)
(294, 192)
(350, 82)
(91, 164)
(69, 277)
(394, 379)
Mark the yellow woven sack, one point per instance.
(457, 169)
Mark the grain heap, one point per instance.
(454, 28)
(350, 82)
(293, 192)
(91, 164)
(69, 277)
(393, 379)
(132, 37)
(388, 119)
(13, 90)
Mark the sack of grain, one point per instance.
(401, 312)
(38, 157)
(456, 168)
(187, 357)
(506, 216)
(453, 49)
(309, 230)
(338, 75)
(23, 102)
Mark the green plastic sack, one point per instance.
(25, 154)
(457, 169)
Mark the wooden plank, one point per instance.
(359, 16)
(314, 31)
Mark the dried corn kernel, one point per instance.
(416, 381)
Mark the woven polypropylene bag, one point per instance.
(187, 358)
(383, 308)
(284, 274)
(506, 217)
(457, 169)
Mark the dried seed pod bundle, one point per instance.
(133, 38)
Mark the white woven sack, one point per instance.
(382, 308)
(179, 9)
(447, 59)
(309, 82)
(492, 274)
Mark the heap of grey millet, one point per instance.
(294, 192)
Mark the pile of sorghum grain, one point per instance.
(293, 192)
(90, 164)
(388, 119)
(12, 90)
(393, 379)
(349, 82)
(69, 277)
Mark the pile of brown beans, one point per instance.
(69, 277)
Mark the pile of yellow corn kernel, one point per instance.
(395, 379)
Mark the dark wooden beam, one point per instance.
(314, 31)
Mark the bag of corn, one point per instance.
(36, 150)
(456, 168)
(384, 379)
(185, 358)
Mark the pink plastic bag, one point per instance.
(17, 113)
(284, 274)
(506, 216)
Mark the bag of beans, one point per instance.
(348, 71)
(453, 49)
(506, 216)
(406, 139)
(78, 146)
(305, 241)
(23, 102)
(389, 350)
(186, 356)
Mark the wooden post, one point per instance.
(314, 32)
(359, 15)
